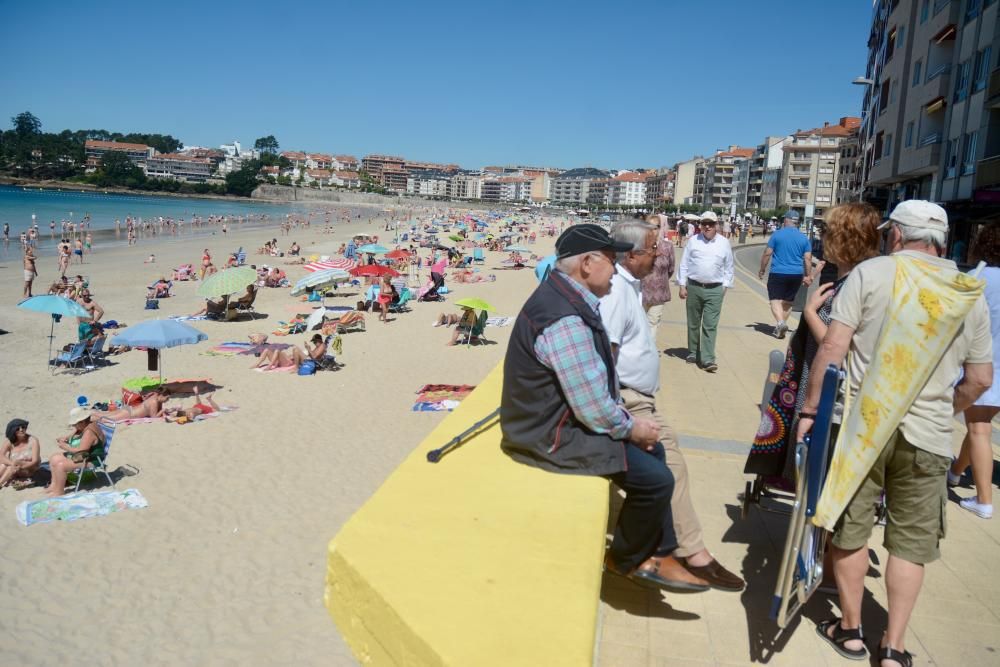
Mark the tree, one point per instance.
(118, 169)
(26, 124)
(243, 181)
(267, 144)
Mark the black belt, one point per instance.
(706, 285)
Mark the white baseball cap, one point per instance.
(709, 216)
(918, 213)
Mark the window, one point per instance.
(952, 160)
(909, 135)
(901, 37)
(893, 90)
(969, 155)
(883, 101)
(888, 145)
(917, 71)
(981, 71)
(972, 9)
(890, 47)
(925, 10)
(962, 81)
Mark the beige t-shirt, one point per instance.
(863, 303)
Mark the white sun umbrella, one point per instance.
(320, 279)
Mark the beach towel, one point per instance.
(188, 318)
(498, 321)
(909, 348)
(441, 397)
(78, 506)
(230, 349)
(279, 369)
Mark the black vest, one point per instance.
(538, 425)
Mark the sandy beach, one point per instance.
(226, 564)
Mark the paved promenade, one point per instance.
(957, 619)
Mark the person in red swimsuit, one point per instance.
(182, 416)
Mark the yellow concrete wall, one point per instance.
(476, 560)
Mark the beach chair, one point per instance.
(475, 334)
(351, 321)
(97, 457)
(241, 257)
(478, 255)
(240, 306)
(73, 358)
(95, 352)
(400, 306)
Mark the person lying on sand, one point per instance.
(19, 455)
(151, 406)
(213, 307)
(293, 356)
(183, 416)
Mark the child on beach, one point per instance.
(151, 259)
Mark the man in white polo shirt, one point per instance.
(638, 364)
(705, 273)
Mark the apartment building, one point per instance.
(810, 167)
(345, 163)
(764, 174)
(506, 189)
(718, 177)
(849, 170)
(573, 186)
(660, 187)
(179, 167)
(685, 180)
(385, 169)
(627, 189)
(428, 183)
(466, 185)
(94, 151)
(346, 179)
(932, 109)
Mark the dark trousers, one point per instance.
(645, 524)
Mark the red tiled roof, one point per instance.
(631, 177)
(738, 152)
(346, 159)
(319, 173)
(114, 145)
(346, 175)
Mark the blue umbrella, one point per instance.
(56, 306)
(158, 334)
(373, 248)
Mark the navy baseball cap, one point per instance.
(579, 239)
(791, 214)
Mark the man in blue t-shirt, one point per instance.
(791, 267)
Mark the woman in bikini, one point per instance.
(151, 406)
(183, 416)
(385, 295)
(293, 356)
(206, 261)
(76, 447)
(19, 455)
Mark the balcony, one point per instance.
(923, 159)
(938, 84)
(993, 90)
(988, 173)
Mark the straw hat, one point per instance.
(79, 414)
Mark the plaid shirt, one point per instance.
(567, 348)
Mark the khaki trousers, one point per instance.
(653, 314)
(686, 524)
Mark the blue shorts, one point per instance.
(783, 286)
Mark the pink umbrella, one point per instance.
(335, 263)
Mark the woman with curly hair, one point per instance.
(850, 236)
(976, 448)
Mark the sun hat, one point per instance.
(579, 239)
(918, 213)
(79, 414)
(709, 216)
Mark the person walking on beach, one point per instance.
(790, 269)
(910, 320)
(30, 270)
(6, 235)
(633, 344)
(63, 257)
(705, 273)
(560, 408)
(78, 249)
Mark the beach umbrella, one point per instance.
(373, 249)
(159, 334)
(56, 307)
(475, 304)
(320, 279)
(516, 248)
(333, 263)
(227, 281)
(398, 254)
(374, 270)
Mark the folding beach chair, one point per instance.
(95, 352)
(475, 334)
(400, 306)
(239, 306)
(478, 255)
(73, 358)
(241, 257)
(97, 457)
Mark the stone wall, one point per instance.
(284, 193)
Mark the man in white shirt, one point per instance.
(638, 364)
(706, 272)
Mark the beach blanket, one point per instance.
(297, 325)
(230, 349)
(498, 321)
(78, 506)
(279, 369)
(929, 304)
(187, 318)
(441, 397)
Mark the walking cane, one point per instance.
(435, 454)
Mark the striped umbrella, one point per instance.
(227, 281)
(336, 263)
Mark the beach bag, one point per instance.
(130, 397)
(152, 304)
(307, 367)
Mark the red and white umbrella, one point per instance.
(335, 263)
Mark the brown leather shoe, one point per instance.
(668, 573)
(716, 576)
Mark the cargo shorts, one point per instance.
(916, 493)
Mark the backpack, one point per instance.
(307, 367)
(152, 304)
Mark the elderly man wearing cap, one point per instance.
(903, 318)
(791, 268)
(705, 273)
(560, 409)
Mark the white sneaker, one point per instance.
(780, 330)
(954, 480)
(981, 510)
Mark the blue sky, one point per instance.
(608, 84)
